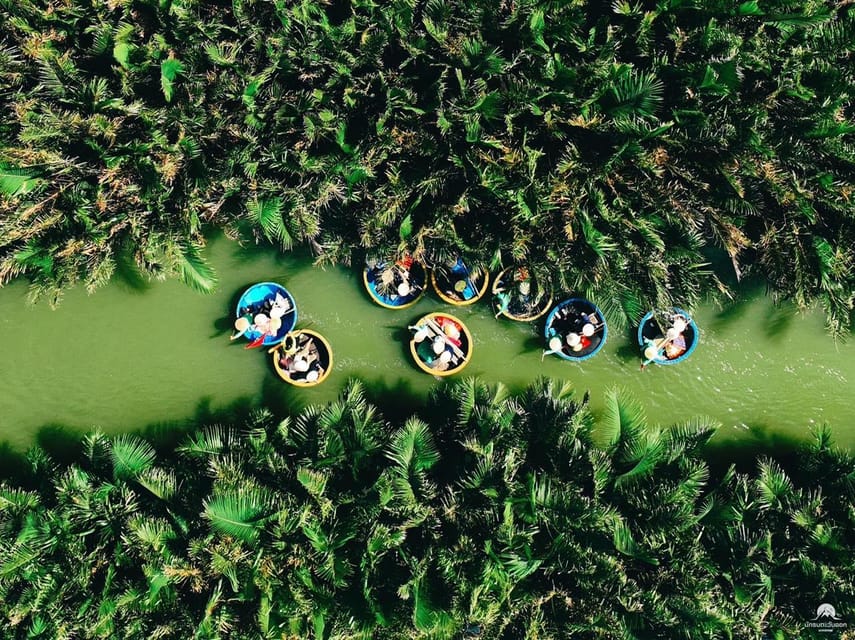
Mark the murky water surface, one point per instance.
(131, 356)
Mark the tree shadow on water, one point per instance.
(734, 310)
(61, 442)
(128, 275)
(779, 319)
(398, 401)
(628, 350)
(13, 463)
(759, 440)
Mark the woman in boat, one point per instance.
(441, 344)
(265, 313)
(575, 330)
(518, 295)
(395, 285)
(667, 337)
(303, 358)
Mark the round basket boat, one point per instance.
(395, 285)
(518, 295)
(304, 358)
(667, 337)
(575, 330)
(441, 344)
(456, 285)
(259, 305)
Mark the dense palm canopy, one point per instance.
(491, 516)
(620, 146)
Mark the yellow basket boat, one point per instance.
(457, 286)
(441, 344)
(304, 358)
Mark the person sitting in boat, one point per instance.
(676, 347)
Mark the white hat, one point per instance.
(421, 334)
(651, 352)
(588, 329)
(573, 339)
(277, 312)
(672, 333)
(438, 345)
(680, 325)
(555, 343)
(312, 375)
(261, 320)
(403, 289)
(301, 365)
(445, 356)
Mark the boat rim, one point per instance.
(460, 303)
(545, 307)
(292, 315)
(376, 299)
(327, 370)
(596, 309)
(689, 349)
(466, 356)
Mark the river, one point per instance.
(139, 355)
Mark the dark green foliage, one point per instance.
(493, 513)
(614, 145)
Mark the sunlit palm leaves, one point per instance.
(494, 513)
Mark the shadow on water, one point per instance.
(760, 440)
(628, 350)
(397, 402)
(734, 310)
(13, 463)
(60, 442)
(778, 320)
(532, 343)
(128, 274)
(247, 251)
(64, 444)
(280, 397)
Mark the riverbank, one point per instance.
(138, 355)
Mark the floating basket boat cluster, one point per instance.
(440, 343)
(266, 315)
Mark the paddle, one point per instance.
(257, 342)
(454, 348)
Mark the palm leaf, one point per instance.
(169, 71)
(17, 182)
(266, 215)
(772, 484)
(195, 271)
(131, 456)
(626, 544)
(412, 448)
(237, 514)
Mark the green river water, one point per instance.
(155, 355)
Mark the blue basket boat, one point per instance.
(395, 285)
(575, 330)
(259, 299)
(456, 284)
(667, 337)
